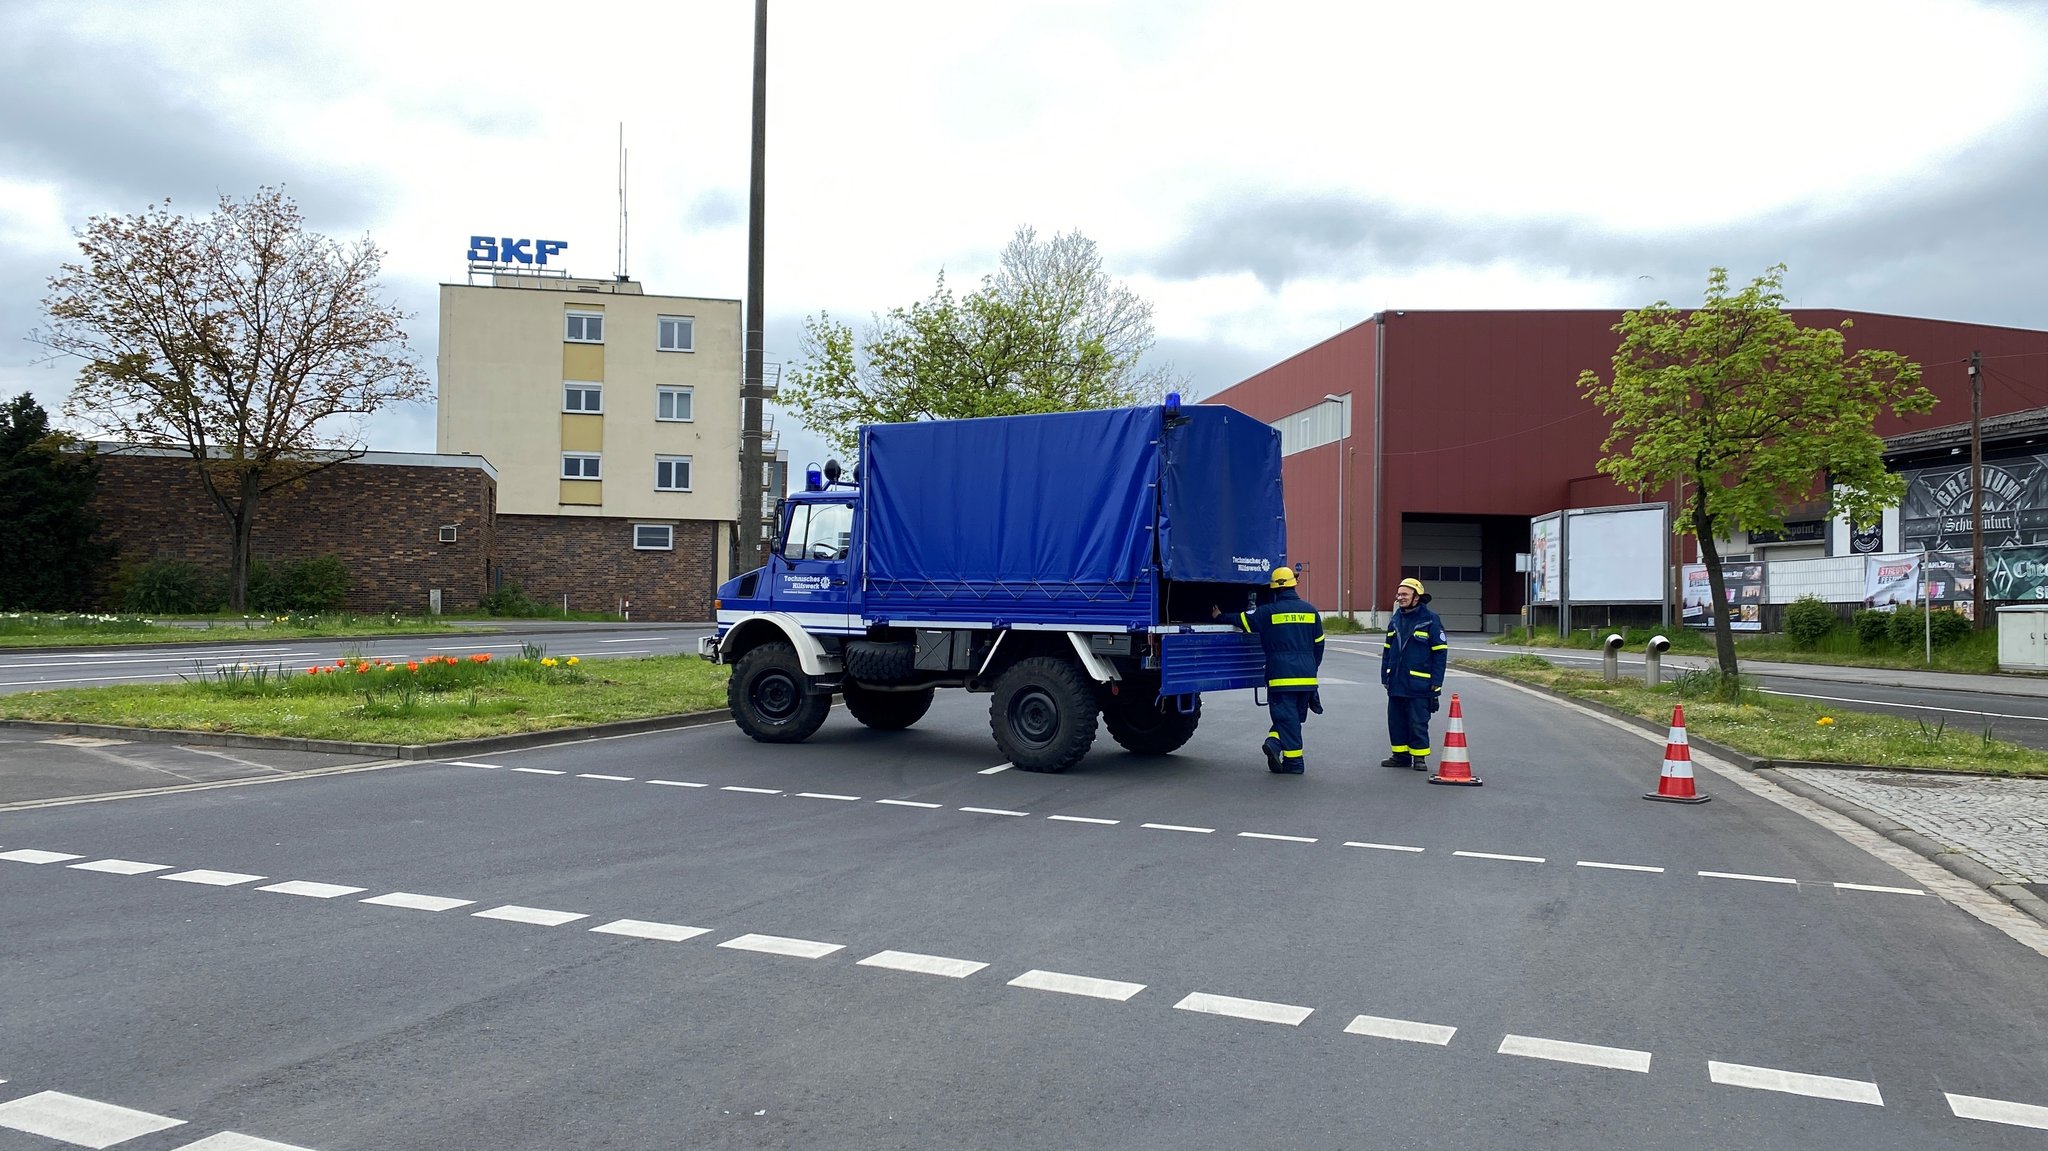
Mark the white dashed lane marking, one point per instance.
(1077, 985)
(923, 964)
(26, 855)
(1750, 878)
(79, 1122)
(236, 1141)
(1178, 827)
(642, 929)
(539, 771)
(778, 945)
(312, 890)
(120, 867)
(993, 811)
(1999, 1111)
(1280, 838)
(412, 902)
(1492, 855)
(1794, 1083)
(1405, 1030)
(1083, 819)
(826, 795)
(1557, 1050)
(675, 783)
(1257, 1010)
(909, 803)
(753, 790)
(538, 916)
(1854, 887)
(1382, 846)
(211, 878)
(1001, 767)
(467, 763)
(612, 778)
(1621, 866)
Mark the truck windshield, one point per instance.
(819, 532)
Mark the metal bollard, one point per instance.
(1653, 660)
(1610, 660)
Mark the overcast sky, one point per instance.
(1267, 174)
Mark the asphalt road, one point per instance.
(1185, 952)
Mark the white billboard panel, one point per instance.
(1616, 555)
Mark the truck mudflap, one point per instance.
(1193, 661)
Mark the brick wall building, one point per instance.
(599, 564)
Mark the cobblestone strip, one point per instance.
(2003, 822)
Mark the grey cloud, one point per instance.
(718, 208)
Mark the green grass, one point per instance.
(1779, 728)
(82, 629)
(1976, 654)
(1342, 625)
(380, 702)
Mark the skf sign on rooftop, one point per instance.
(494, 250)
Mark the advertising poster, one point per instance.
(2016, 573)
(1952, 580)
(1743, 587)
(1546, 558)
(1889, 581)
(1936, 511)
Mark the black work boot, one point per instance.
(1421, 764)
(1274, 760)
(1395, 760)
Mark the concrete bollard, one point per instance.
(1653, 660)
(1610, 659)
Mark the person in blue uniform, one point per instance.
(1412, 663)
(1291, 631)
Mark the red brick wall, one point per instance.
(592, 561)
(382, 520)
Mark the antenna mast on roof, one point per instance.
(622, 201)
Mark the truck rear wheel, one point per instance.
(886, 710)
(1139, 725)
(1043, 714)
(771, 697)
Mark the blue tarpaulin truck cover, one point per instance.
(1071, 517)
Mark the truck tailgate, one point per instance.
(1210, 661)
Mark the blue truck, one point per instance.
(1064, 564)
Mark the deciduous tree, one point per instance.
(46, 519)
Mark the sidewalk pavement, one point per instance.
(2016, 685)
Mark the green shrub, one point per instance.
(174, 587)
(511, 600)
(1905, 626)
(311, 585)
(1808, 620)
(1873, 628)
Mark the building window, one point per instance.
(678, 334)
(579, 396)
(580, 465)
(654, 537)
(1325, 423)
(671, 473)
(585, 328)
(675, 403)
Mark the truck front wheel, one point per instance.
(771, 697)
(1043, 714)
(1140, 726)
(886, 710)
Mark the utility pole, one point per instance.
(753, 481)
(1976, 493)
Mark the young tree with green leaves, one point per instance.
(1049, 331)
(240, 339)
(1748, 411)
(46, 519)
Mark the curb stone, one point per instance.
(1784, 774)
(482, 745)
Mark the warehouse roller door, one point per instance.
(1445, 557)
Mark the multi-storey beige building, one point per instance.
(612, 418)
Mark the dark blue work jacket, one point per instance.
(1291, 629)
(1413, 657)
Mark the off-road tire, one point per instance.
(771, 697)
(877, 662)
(886, 710)
(1043, 714)
(1140, 726)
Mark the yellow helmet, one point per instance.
(1412, 584)
(1282, 577)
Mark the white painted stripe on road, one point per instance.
(539, 771)
(1621, 866)
(1077, 985)
(1751, 878)
(997, 768)
(1843, 886)
(1280, 838)
(79, 1122)
(1998, 1111)
(211, 878)
(1914, 706)
(825, 795)
(411, 901)
(1794, 1083)
(1084, 819)
(312, 890)
(613, 778)
(30, 855)
(993, 811)
(643, 929)
(1381, 846)
(923, 964)
(675, 783)
(1491, 855)
(780, 945)
(1254, 1009)
(1178, 827)
(121, 867)
(908, 803)
(1557, 1050)
(538, 916)
(236, 1141)
(1405, 1030)
(467, 763)
(753, 790)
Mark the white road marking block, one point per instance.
(312, 890)
(1591, 1055)
(753, 790)
(642, 929)
(923, 964)
(1491, 855)
(1621, 866)
(612, 778)
(80, 1122)
(1178, 827)
(1998, 1111)
(675, 783)
(30, 855)
(1280, 838)
(236, 1141)
(467, 763)
(1381, 846)
(539, 771)
(1843, 886)
(1751, 878)
(993, 811)
(538, 916)
(1405, 1030)
(995, 769)
(211, 878)
(414, 902)
(1794, 1083)
(1257, 1010)
(909, 803)
(1084, 819)
(779, 945)
(826, 795)
(1077, 985)
(120, 867)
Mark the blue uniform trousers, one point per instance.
(1287, 707)
(1408, 725)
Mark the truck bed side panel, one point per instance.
(1222, 518)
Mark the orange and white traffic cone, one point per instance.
(1675, 784)
(1456, 766)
